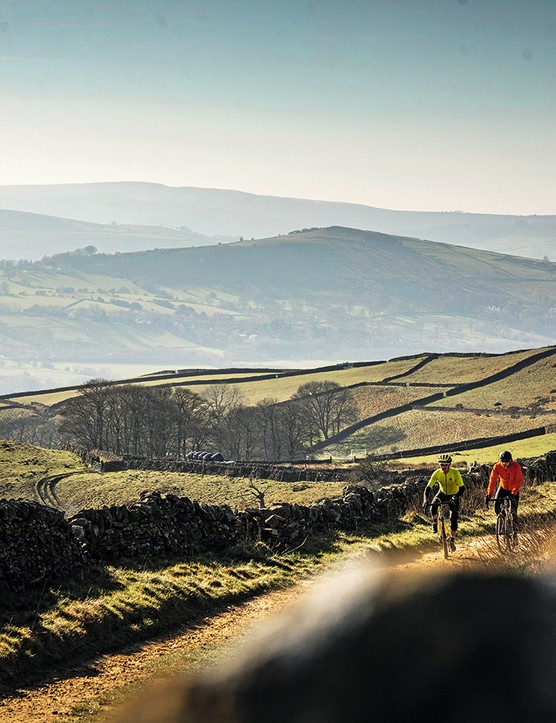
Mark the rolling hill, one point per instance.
(323, 294)
(233, 214)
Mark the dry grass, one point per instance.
(115, 606)
(375, 400)
(427, 428)
(116, 488)
(461, 370)
(533, 388)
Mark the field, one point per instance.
(454, 370)
(116, 488)
(23, 465)
(532, 389)
(522, 400)
(425, 428)
(521, 449)
(281, 387)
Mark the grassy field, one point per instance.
(524, 400)
(23, 465)
(281, 388)
(373, 400)
(448, 370)
(116, 488)
(532, 388)
(521, 449)
(455, 370)
(425, 428)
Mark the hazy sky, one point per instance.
(413, 104)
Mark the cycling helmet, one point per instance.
(444, 458)
(505, 456)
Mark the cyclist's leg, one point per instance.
(434, 513)
(454, 515)
(515, 504)
(502, 494)
(497, 505)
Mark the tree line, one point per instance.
(166, 421)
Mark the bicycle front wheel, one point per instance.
(504, 536)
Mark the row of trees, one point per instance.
(161, 421)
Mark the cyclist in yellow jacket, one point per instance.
(450, 488)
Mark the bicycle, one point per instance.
(444, 508)
(505, 526)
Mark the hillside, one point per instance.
(220, 212)
(412, 404)
(326, 294)
(32, 236)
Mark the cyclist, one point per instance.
(450, 488)
(507, 472)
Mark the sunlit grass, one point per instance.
(115, 488)
(521, 449)
(22, 465)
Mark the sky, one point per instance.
(437, 105)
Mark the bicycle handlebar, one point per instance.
(436, 501)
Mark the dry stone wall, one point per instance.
(38, 543)
(260, 470)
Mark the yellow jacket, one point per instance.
(449, 482)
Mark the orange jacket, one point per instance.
(511, 477)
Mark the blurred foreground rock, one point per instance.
(372, 646)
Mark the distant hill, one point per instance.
(226, 214)
(31, 236)
(332, 294)
(379, 272)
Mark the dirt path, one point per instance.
(93, 689)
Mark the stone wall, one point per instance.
(258, 470)
(38, 543)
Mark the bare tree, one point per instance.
(220, 400)
(85, 415)
(190, 420)
(295, 430)
(328, 407)
(270, 419)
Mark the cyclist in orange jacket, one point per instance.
(507, 472)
